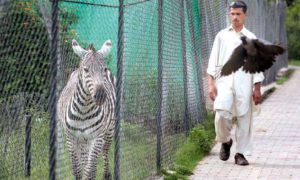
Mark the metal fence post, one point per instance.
(27, 159)
(119, 90)
(185, 78)
(53, 89)
(159, 85)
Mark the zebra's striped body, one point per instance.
(86, 109)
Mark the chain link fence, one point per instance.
(159, 56)
(24, 72)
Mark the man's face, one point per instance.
(237, 17)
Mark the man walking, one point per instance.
(233, 94)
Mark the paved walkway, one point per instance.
(276, 139)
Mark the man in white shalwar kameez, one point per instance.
(234, 94)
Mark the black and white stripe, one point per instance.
(86, 109)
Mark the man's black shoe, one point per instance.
(225, 150)
(240, 159)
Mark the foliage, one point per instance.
(132, 131)
(173, 175)
(199, 143)
(290, 2)
(293, 29)
(11, 164)
(25, 48)
(137, 89)
(25, 69)
(14, 139)
(200, 137)
(294, 62)
(268, 93)
(285, 77)
(39, 142)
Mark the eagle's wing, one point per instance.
(274, 50)
(264, 58)
(268, 48)
(236, 60)
(254, 64)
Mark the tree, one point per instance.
(293, 30)
(25, 48)
(290, 2)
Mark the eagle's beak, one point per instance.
(244, 41)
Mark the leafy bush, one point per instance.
(293, 29)
(285, 77)
(25, 48)
(294, 62)
(199, 143)
(201, 139)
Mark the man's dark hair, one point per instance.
(239, 4)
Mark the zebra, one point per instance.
(86, 110)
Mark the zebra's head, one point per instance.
(93, 71)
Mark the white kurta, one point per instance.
(234, 91)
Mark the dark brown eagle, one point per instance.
(254, 55)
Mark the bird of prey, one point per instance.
(253, 55)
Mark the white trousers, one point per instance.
(243, 133)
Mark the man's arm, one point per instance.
(257, 98)
(212, 69)
(257, 79)
(212, 90)
(214, 57)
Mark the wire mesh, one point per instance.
(24, 70)
(213, 19)
(88, 22)
(138, 124)
(163, 90)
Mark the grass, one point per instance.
(137, 153)
(12, 159)
(197, 146)
(282, 79)
(285, 77)
(294, 62)
(268, 93)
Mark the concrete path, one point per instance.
(276, 140)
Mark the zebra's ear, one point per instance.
(77, 49)
(105, 49)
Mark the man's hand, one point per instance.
(212, 90)
(257, 98)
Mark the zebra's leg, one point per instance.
(75, 156)
(84, 153)
(107, 142)
(89, 171)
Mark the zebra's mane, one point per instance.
(91, 47)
